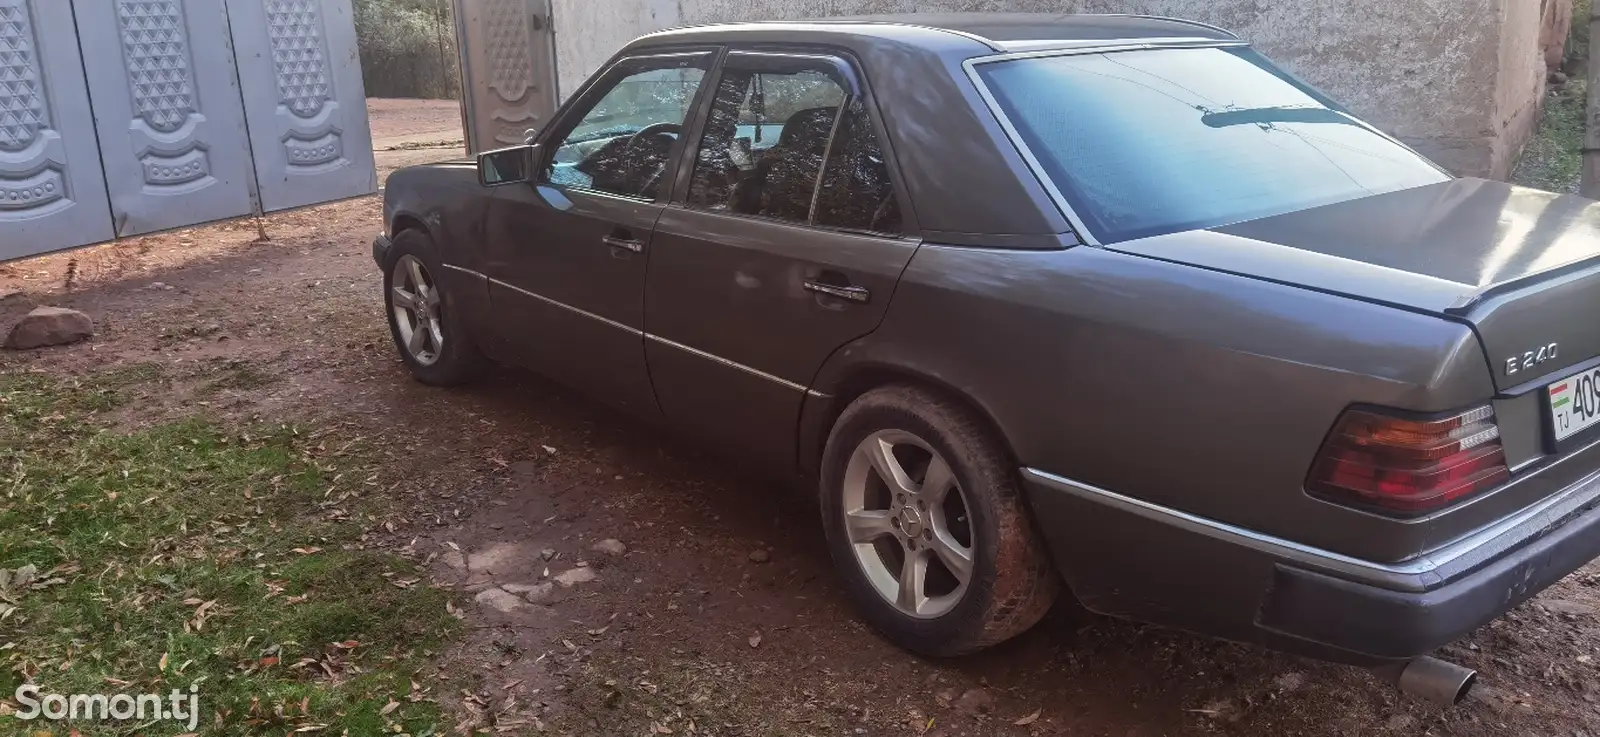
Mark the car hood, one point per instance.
(1521, 265)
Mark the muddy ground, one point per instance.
(722, 615)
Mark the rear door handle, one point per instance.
(615, 241)
(859, 295)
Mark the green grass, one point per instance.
(1553, 159)
(196, 553)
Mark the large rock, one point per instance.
(47, 326)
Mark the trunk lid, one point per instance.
(1520, 265)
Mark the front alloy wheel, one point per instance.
(426, 320)
(415, 302)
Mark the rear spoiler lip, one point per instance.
(1468, 302)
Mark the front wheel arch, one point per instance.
(404, 222)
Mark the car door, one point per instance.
(566, 253)
(786, 243)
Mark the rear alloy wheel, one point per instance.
(925, 519)
(423, 316)
(908, 523)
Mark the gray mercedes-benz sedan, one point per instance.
(1103, 304)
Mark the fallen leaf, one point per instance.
(599, 632)
(306, 551)
(389, 707)
(1029, 719)
(163, 664)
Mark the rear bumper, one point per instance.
(1171, 568)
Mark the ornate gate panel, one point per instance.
(172, 132)
(52, 191)
(508, 69)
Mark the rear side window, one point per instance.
(1142, 143)
(856, 192)
(780, 126)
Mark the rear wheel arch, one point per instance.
(863, 378)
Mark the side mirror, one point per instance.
(506, 165)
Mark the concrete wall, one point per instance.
(1458, 79)
(1519, 85)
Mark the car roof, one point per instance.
(934, 118)
(998, 32)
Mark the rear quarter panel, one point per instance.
(1192, 389)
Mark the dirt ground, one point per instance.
(722, 616)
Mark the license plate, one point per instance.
(1575, 403)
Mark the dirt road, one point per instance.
(720, 615)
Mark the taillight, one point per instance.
(1407, 465)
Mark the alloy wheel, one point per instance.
(909, 523)
(415, 300)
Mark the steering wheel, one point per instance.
(654, 130)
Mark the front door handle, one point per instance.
(630, 244)
(859, 295)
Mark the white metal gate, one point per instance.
(52, 192)
(300, 74)
(508, 69)
(200, 110)
(172, 136)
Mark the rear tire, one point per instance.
(424, 320)
(956, 507)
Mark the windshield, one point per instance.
(1147, 142)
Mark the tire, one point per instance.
(449, 357)
(1010, 584)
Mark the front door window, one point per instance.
(787, 140)
(623, 144)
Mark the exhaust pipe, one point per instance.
(1433, 680)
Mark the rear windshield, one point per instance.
(1147, 142)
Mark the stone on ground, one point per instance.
(499, 600)
(576, 576)
(48, 326)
